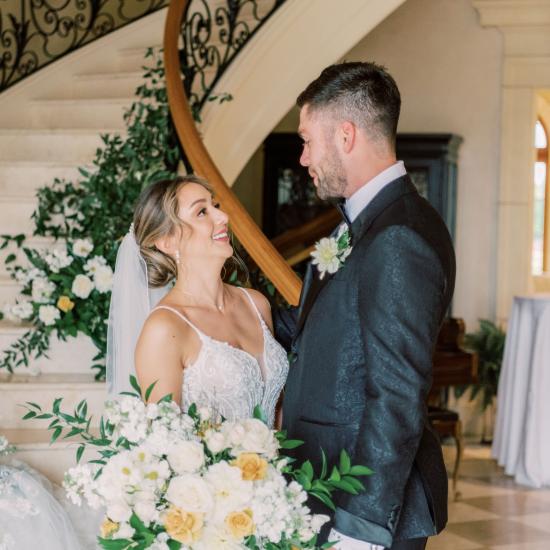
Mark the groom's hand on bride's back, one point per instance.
(284, 325)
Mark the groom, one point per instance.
(364, 338)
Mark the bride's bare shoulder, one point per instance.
(164, 325)
(263, 305)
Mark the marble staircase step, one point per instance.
(73, 145)
(23, 178)
(50, 459)
(16, 214)
(72, 357)
(121, 84)
(17, 389)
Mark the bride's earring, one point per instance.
(177, 257)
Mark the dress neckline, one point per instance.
(202, 335)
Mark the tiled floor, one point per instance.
(493, 513)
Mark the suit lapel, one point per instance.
(312, 283)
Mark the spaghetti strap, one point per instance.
(183, 317)
(251, 300)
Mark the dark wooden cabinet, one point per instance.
(431, 161)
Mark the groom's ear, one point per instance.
(346, 136)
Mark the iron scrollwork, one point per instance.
(212, 35)
(34, 33)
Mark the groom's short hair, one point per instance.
(364, 93)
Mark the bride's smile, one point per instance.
(205, 226)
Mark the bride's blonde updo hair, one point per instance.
(156, 216)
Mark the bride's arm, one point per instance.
(158, 357)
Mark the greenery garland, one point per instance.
(66, 287)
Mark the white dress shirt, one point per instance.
(354, 205)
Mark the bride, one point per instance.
(204, 342)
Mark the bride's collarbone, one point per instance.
(235, 326)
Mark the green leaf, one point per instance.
(327, 501)
(150, 390)
(80, 452)
(174, 544)
(355, 483)
(291, 443)
(345, 462)
(259, 414)
(307, 469)
(30, 414)
(137, 524)
(360, 471)
(345, 486)
(56, 433)
(323, 465)
(135, 384)
(114, 544)
(335, 474)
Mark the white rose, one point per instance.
(190, 493)
(42, 289)
(118, 511)
(230, 491)
(82, 286)
(186, 457)
(48, 315)
(103, 278)
(259, 438)
(92, 265)
(124, 531)
(236, 434)
(216, 441)
(146, 511)
(82, 247)
(204, 413)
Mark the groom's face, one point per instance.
(320, 154)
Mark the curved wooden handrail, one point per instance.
(249, 234)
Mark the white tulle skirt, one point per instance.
(32, 517)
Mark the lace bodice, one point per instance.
(231, 380)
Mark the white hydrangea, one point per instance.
(82, 286)
(93, 264)
(103, 278)
(48, 315)
(25, 276)
(41, 290)
(83, 247)
(22, 310)
(58, 259)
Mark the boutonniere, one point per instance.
(331, 252)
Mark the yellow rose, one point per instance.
(185, 527)
(108, 527)
(253, 467)
(65, 304)
(240, 524)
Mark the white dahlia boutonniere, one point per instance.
(331, 252)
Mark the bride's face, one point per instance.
(205, 233)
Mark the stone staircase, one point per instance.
(50, 125)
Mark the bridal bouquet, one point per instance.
(170, 480)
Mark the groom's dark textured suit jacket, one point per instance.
(362, 370)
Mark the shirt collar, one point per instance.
(364, 195)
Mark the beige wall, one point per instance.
(448, 69)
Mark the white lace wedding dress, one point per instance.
(229, 379)
(30, 516)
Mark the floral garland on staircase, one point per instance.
(67, 285)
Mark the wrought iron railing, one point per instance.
(213, 32)
(200, 83)
(33, 33)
